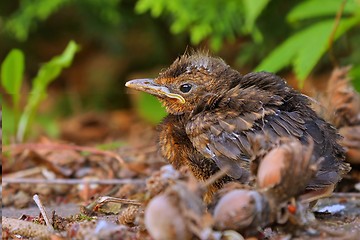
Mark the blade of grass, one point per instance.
(47, 73)
(12, 73)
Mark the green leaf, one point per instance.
(313, 48)
(12, 71)
(156, 7)
(50, 70)
(252, 11)
(304, 49)
(150, 108)
(310, 53)
(47, 73)
(28, 14)
(318, 8)
(199, 32)
(216, 42)
(215, 20)
(281, 56)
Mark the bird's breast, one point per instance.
(174, 143)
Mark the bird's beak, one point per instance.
(148, 85)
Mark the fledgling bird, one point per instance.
(214, 111)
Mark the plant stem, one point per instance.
(333, 32)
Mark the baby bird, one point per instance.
(214, 112)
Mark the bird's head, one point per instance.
(190, 79)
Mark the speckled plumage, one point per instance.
(223, 110)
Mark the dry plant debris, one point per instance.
(172, 206)
(281, 174)
(342, 108)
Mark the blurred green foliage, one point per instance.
(355, 76)
(304, 48)
(214, 19)
(11, 81)
(312, 22)
(150, 108)
(217, 20)
(111, 145)
(273, 35)
(32, 12)
(12, 73)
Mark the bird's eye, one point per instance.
(185, 88)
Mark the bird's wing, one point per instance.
(225, 138)
(324, 138)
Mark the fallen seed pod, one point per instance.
(286, 170)
(282, 173)
(242, 210)
(164, 221)
(248, 211)
(175, 214)
(271, 167)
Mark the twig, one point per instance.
(94, 206)
(43, 213)
(25, 229)
(73, 181)
(36, 146)
(107, 199)
(25, 172)
(332, 35)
